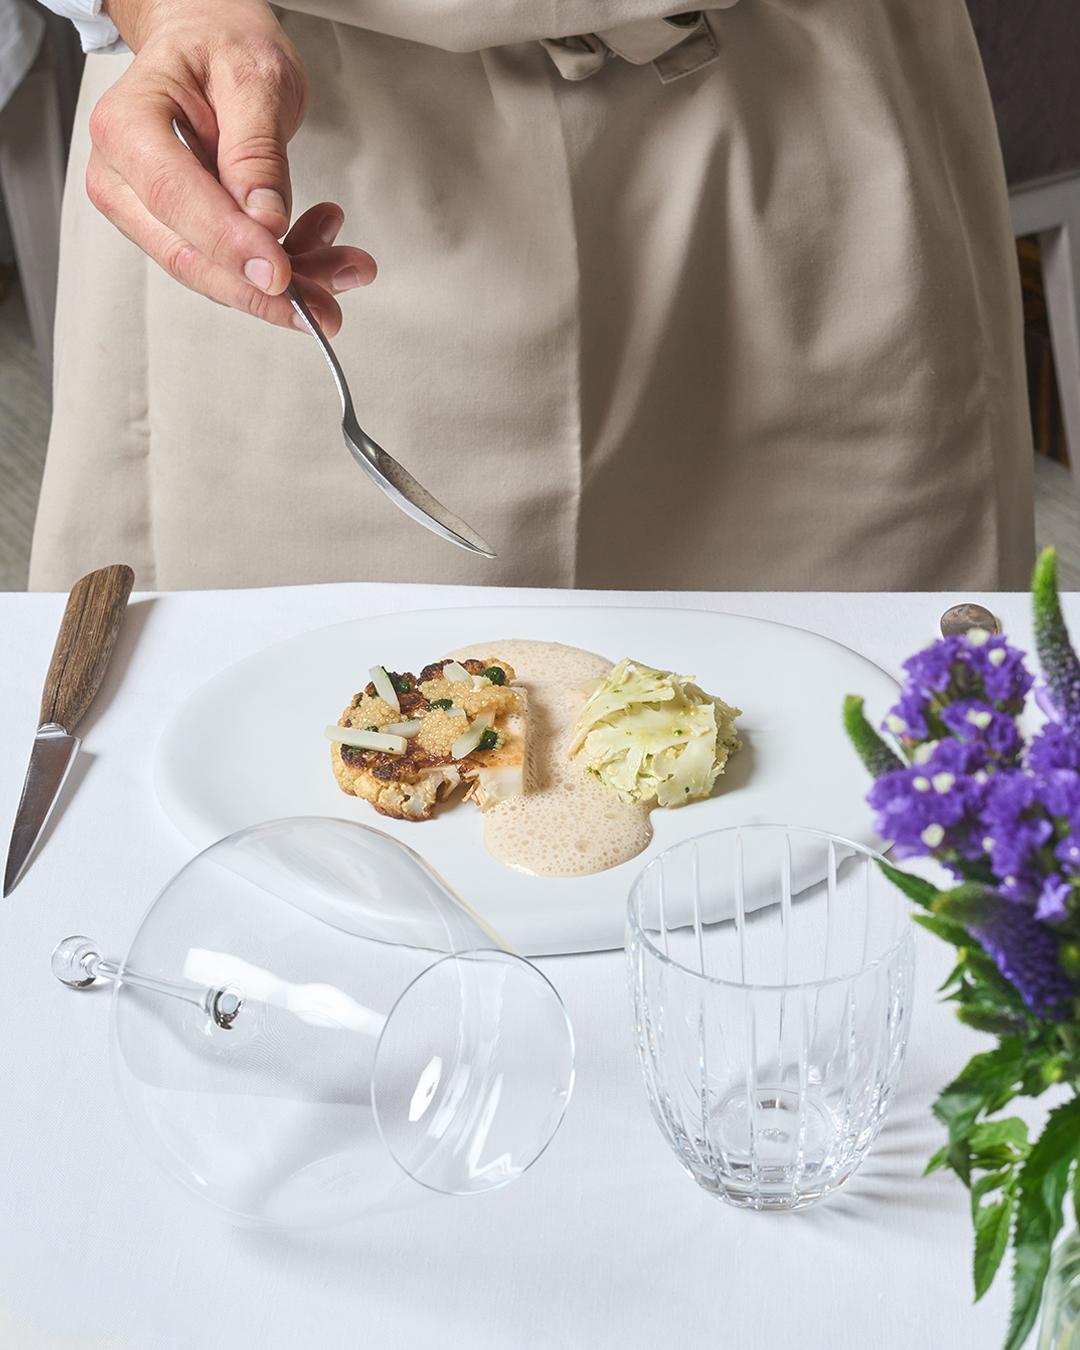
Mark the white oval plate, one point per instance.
(249, 745)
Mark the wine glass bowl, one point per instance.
(309, 1020)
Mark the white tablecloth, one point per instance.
(605, 1243)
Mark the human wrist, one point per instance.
(133, 19)
(138, 21)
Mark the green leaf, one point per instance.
(990, 1181)
(955, 978)
(1044, 1073)
(959, 1156)
(996, 1023)
(939, 1160)
(923, 892)
(944, 929)
(1076, 1194)
(878, 756)
(992, 1224)
(964, 903)
(1012, 1130)
(988, 1081)
(1043, 1181)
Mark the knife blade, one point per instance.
(51, 759)
(84, 645)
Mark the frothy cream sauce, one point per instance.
(567, 824)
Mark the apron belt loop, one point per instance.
(675, 46)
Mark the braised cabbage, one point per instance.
(654, 735)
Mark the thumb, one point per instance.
(258, 110)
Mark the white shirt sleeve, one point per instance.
(96, 30)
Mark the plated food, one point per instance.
(564, 753)
(654, 736)
(408, 741)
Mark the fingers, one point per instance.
(259, 102)
(115, 199)
(319, 225)
(325, 308)
(335, 269)
(132, 134)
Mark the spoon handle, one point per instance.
(312, 325)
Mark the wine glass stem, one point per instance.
(102, 969)
(221, 1005)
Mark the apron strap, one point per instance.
(674, 46)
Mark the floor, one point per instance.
(24, 419)
(24, 426)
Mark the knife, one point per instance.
(83, 647)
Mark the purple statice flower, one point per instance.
(934, 806)
(929, 671)
(1044, 701)
(1059, 792)
(1054, 747)
(1000, 667)
(973, 719)
(1016, 827)
(1052, 905)
(974, 684)
(907, 718)
(1067, 852)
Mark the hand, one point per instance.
(228, 71)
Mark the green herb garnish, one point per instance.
(490, 739)
(442, 703)
(371, 728)
(495, 674)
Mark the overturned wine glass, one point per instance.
(310, 1021)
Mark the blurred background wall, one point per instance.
(1031, 50)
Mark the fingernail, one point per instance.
(346, 279)
(297, 322)
(329, 227)
(266, 199)
(259, 272)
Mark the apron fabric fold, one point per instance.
(752, 325)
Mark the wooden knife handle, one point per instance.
(84, 644)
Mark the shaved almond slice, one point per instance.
(467, 742)
(367, 740)
(409, 728)
(384, 687)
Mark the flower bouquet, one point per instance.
(1002, 814)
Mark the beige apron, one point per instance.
(737, 313)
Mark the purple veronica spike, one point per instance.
(1025, 951)
(1061, 668)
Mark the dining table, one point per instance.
(604, 1242)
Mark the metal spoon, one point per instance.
(960, 618)
(391, 477)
